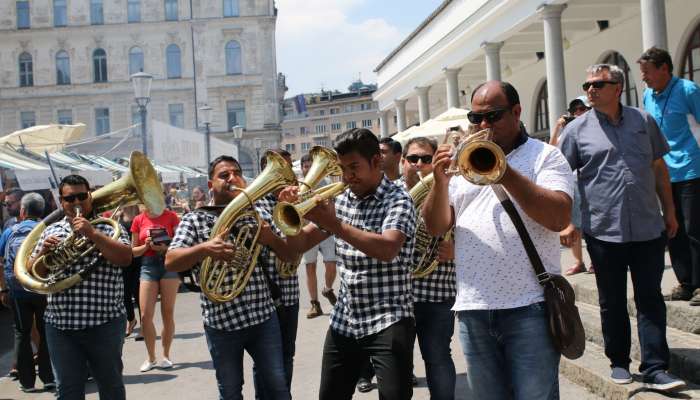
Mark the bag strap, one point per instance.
(535, 260)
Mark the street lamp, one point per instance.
(237, 136)
(205, 114)
(142, 93)
(258, 146)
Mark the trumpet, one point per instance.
(289, 216)
(477, 158)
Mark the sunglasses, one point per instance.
(413, 159)
(597, 84)
(71, 197)
(489, 116)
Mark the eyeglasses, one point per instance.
(413, 158)
(489, 116)
(71, 197)
(597, 84)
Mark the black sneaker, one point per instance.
(48, 387)
(679, 293)
(695, 300)
(364, 386)
(28, 389)
(663, 381)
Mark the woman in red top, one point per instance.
(151, 235)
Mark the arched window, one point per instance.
(135, 60)
(542, 110)
(26, 70)
(99, 65)
(62, 68)
(629, 92)
(691, 57)
(172, 56)
(233, 58)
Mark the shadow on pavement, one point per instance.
(199, 364)
(147, 378)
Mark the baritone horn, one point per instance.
(140, 185)
(477, 158)
(223, 281)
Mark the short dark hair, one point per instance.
(72, 180)
(305, 158)
(219, 160)
(33, 204)
(282, 152)
(658, 57)
(508, 90)
(359, 140)
(421, 141)
(393, 144)
(15, 192)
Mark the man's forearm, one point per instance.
(436, 211)
(183, 259)
(113, 251)
(383, 247)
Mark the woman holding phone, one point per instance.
(151, 235)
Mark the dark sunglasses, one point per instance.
(597, 84)
(489, 116)
(71, 197)
(413, 159)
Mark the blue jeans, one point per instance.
(100, 346)
(288, 320)
(509, 354)
(435, 324)
(263, 343)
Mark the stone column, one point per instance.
(400, 115)
(492, 50)
(452, 87)
(654, 24)
(554, 58)
(384, 123)
(423, 103)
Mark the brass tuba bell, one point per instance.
(223, 281)
(140, 185)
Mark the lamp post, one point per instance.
(258, 145)
(205, 115)
(237, 136)
(142, 94)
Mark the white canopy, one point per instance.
(435, 128)
(42, 138)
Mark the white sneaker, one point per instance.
(165, 364)
(147, 366)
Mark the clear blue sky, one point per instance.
(329, 43)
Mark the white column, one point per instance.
(423, 103)
(554, 58)
(452, 87)
(384, 123)
(654, 24)
(492, 50)
(400, 115)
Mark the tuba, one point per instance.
(478, 159)
(140, 185)
(426, 247)
(222, 281)
(324, 163)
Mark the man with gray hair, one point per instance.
(27, 307)
(617, 152)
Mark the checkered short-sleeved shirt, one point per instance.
(267, 259)
(94, 301)
(439, 286)
(373, 294)
(253, 306)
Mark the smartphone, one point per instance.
(159, 236)
(455, 128)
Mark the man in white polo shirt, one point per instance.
(499, 304)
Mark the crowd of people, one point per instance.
(624, 180)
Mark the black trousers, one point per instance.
(685, 246)
(645, 261)
(26, 310)
(392, 355)
(131, 276)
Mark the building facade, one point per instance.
(317, 119)
(70, 61)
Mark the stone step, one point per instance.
(592, 372)
(684, 347)
(679, 314)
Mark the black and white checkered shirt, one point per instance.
(374, 294)
(439, 286)
(253, 306)
(94, 301)
(267, 259)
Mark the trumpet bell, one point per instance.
(481, 162)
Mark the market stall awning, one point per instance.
(42, 138)
(435, 128)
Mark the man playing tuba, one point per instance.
(85, 323)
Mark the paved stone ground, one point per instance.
(193, 375)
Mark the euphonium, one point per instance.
(478, 159)
(324, 163)
(222, 281)
(426, 247)
(140, 185)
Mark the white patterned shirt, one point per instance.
(493, 270)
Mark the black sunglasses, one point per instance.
(413, 158)
(489, 116)
(71, 197)
(597, 84)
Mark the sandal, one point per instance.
(576, 269)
